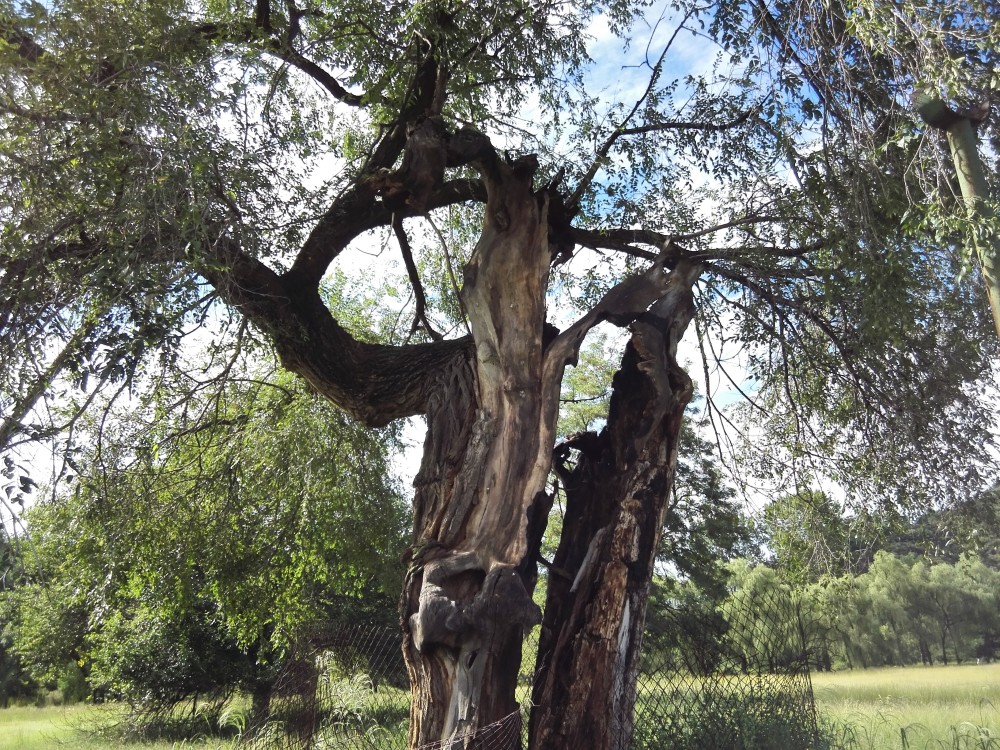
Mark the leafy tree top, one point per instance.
(162, 155)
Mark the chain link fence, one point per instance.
(725, 677)
(711, 678)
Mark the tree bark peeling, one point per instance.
(466, 605)
(491, 403)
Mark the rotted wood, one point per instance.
(466, 603)
(616, 494)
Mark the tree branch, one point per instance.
(375, 383)
(864, 384)
(355, 212)
(420, 316)
(27, 47)
(11, 423)
(624, 240)
(621, 305)
(605, 149)
(318, 74)
(712, 127)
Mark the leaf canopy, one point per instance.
(163, 155)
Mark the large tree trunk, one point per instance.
(480, 502)
(467, 592)
(615, 498)
(491, 405)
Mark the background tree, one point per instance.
(967, 526)
(165, 156)
(808, 535)
(197, 545)
(15, 682)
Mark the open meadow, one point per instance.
(953, 707)
(939, 708)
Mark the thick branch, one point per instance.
(621, 305)
(625, 240)
(622, 240)
(375, 383)
(318, 74)
(27, 47)
(280, 48)
(356, 212)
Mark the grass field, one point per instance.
(30, 728)
(955, 707)
(27, 728)
(939, 708)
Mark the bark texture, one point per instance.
(491, 402)
(615, 498)
(466, 604)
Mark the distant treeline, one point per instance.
(905, 609)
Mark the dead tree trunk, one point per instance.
(481, 501)
(615, 498)
(466, 602)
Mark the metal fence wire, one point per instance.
(710, 679)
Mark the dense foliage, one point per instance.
(136, 137)
(195, 547)
(939, 606)
(178, 169)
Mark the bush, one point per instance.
(72, 684)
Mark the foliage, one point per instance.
(158, 132)
(198, 544)
(174, 166)
(890, 590)
(948, 532)
(841, 75)
(808, 534)
(15, 682)
(900, 611)
(905, 611)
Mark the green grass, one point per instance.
(30, 728)
(936, 708)
(954, 707)
(27, 728)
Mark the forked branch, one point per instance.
(420, 316)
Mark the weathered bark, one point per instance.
(491, 403)
(615, 498)
(465, 602)
(480, 496)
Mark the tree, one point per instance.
(166, 155)
(966, 526)
(703, 524)
(15, 682)
(808, 535)
(764, 627)
(195, 548)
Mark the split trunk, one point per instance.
(481, 500)
(482, 493)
